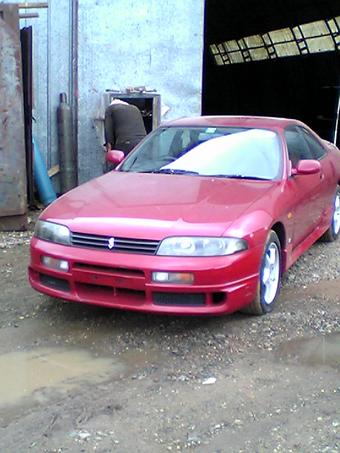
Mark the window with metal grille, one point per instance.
(313, 37)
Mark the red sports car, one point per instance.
(203, 217)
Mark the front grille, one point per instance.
(179, 299)
(103, 293)
(122, 245)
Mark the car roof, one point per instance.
(242, 121)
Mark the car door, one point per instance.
(318, 151)
(304, 189)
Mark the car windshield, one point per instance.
(208, 151)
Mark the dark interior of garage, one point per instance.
(305, 86)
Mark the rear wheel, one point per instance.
(269, 278)
(334, 229)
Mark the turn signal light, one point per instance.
(184, 278)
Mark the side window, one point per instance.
(315, 147)
(297, 146)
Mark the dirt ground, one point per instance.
(77, 378)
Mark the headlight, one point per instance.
(52, 232)
(201, 246)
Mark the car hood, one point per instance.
(155, 206)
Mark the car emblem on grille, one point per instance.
(111, 243)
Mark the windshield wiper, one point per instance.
(172, 171)
(256, 178)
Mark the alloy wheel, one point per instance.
(336, 215)
(271, 273)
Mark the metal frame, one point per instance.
(13, 191)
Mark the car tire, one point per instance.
(269, 278)
(334, 229)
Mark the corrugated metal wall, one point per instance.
(51, 71)
(121, 43)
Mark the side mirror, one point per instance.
(307, 167)
(114, 156)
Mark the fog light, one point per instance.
(173, 277)
(53, 263)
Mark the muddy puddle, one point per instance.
(25, 372)
(31, 377)
(318, 351)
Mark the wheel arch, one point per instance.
(280, 230)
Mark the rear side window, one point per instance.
(297, 146)
(315, 147)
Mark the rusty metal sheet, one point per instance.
(13, 198)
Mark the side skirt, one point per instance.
(305, 245)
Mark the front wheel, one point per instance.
(334, 228)
(269, 278)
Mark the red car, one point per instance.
(203, 217)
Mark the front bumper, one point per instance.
(124, 281)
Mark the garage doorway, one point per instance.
(274, 58)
